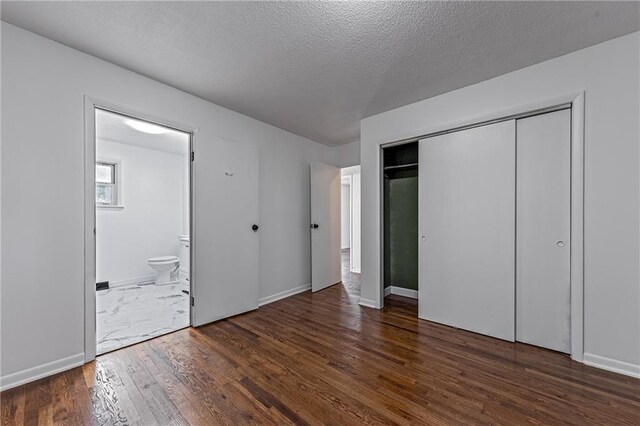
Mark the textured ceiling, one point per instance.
(317, 68)
(114, 127)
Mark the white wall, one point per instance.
(150, 223)
(186, 199)
(345, 216)
(609, 75)
(43, 89)
(347, 155)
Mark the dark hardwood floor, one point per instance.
(322, 359)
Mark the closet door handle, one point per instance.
(255, 228)
(315, 226)
(560, 243)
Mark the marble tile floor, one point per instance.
(130, 314)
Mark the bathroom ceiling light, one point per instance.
(145, 127)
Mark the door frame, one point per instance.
(92, 103)
(575, 101)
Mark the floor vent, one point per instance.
(102, 285)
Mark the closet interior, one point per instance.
(401, 219)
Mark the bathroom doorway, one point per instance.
(142, 229)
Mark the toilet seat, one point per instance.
(163, 259)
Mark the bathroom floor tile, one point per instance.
(130, 314)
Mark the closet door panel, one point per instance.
(543, 282)
(467, 229)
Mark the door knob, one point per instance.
(314, 226)
(423, 238)
(560, 243)
(255, 228)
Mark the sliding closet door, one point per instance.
(467, 229)
(543, 288)
(226, 199)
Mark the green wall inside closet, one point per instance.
(401, 229)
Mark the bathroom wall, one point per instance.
(186, 198)
(151, 219)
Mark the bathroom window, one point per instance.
(107, 184)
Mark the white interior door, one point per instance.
(326, 268)
(543, 281)
(225, 263)
(467, 229)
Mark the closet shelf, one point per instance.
(402, 166)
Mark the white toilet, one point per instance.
(166, 268)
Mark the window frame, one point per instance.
(116, 185)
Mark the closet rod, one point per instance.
(402, 166)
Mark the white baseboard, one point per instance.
(614, 365)
(356, 270)
(130, 281)
(283, 294)
(30, 374)
(400, 291)
(367, 303)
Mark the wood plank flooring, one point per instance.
(322, 359)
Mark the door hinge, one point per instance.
(193, 156)
(193, 301)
